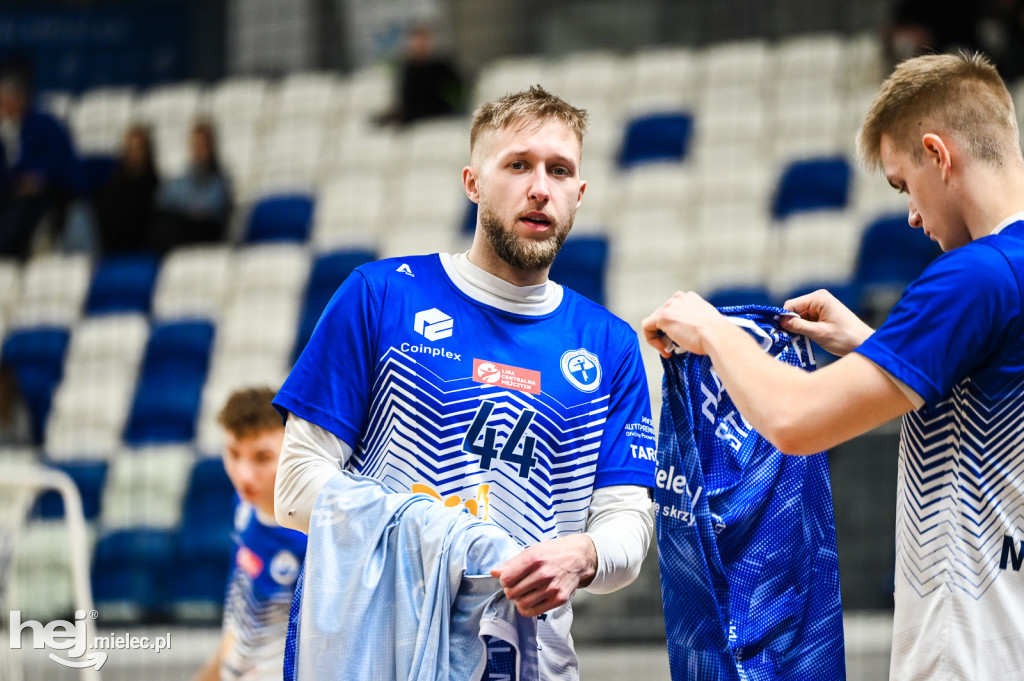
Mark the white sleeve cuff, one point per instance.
(620, 524)
(310, 456)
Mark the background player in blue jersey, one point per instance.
(267, 556)
(950, 358)
(475, 379)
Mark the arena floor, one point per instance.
(867, 657)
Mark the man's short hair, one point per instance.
(961, 95)
(535, 104)
(249, 412)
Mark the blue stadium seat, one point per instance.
(122, 283)
(812, 184)
(892, 254)
(656, 137)
(205, 545)
(281, 217)
(328, 271)
(89, 476)
(170, 383)
(581, 264)
(740, 295)
(135, 567)
(36, 356)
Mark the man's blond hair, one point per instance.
(961, 95)
(535, 104)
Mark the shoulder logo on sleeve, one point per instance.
(582, 369)
(506, 376)
(405, 269)
(433, 324)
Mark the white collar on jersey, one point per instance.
(488, 289)
(1016, 217)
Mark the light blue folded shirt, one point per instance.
(396, 586)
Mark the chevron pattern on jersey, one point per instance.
(418, 425)
(961, 481)
(258, 627)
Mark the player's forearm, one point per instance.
(620, 525)
(309, 458)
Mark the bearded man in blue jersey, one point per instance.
(949, 359)
(475, 379)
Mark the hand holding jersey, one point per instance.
(826, 321)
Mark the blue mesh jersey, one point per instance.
(746, 535)
(956, 338)
(259, 596)
(516, 417)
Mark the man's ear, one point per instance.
(938, 152)
(470, 182)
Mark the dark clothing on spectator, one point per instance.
(429, 88)
(44, 158)
(124, 207)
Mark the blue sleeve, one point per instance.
(948, 322)
(331, 383)
(627, 443)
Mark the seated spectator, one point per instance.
(429, 84)
(919, 27)
(38, 167)
(15, 420)
(124, 205)
(195, 207)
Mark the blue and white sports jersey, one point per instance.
(956, 338)
(516, 417)
(746, 535)
(260, 589)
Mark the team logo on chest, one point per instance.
(582, 369)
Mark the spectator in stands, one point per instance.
(15, 420)
(429, 84)
(124, 205)
(919, 27)
(38, 168)
(267, 557)
(195, 207)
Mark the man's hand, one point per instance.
(682, 319)
(545, 575)
(826, 321)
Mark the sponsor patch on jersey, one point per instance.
(505, 376)
(249, 562)
(582, 369)
(433, 324)
(405, 269)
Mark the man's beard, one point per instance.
(529, 255)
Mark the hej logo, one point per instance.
(59, 635)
